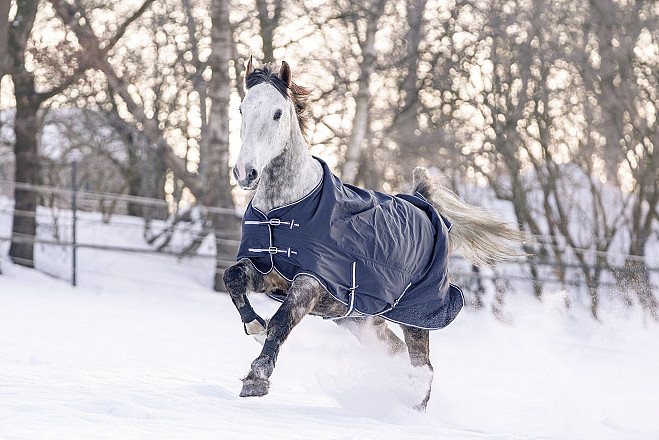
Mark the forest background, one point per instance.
(545, 110)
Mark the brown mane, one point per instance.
(269, 74)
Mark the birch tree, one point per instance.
(364, 25)
(216, 162)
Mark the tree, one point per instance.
(621, 77)
(269, 13)
(362, 21)
(26, 128)
(27, 123)
(211, 187)
(216, 171)
(4, 37)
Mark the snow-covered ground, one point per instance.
(142, 348)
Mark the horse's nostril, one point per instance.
(252, 175)
(235, 173)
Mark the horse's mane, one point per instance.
(269, 74)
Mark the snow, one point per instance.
(144, 349)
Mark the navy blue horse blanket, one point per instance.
(377, 254)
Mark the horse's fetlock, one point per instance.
(262, 367)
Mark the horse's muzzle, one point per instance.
(247, 177)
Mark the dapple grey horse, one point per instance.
(276, 164)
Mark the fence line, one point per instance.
(222, 234)
(101, 196)
(95, 195)
(456, 273)
(23, 238)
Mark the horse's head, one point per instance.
(270, 112)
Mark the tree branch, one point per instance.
(98, 56)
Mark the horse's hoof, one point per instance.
(255, 387)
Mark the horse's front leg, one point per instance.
(243, 277)
(300, 299)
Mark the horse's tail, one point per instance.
(479, 235)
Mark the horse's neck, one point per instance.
(288, 178)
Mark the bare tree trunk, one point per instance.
(363, 99)
(4, 36)
(413, 37)
(26, 127)
(4, 40)
(268, 25)
(216, 176)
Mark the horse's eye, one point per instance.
(277, 115)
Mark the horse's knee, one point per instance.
(235, 279)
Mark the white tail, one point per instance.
(480, 236)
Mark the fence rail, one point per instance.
(105, 196)
(68, 199)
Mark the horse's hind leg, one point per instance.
(300, 299)
(418, 346)
(368, 329)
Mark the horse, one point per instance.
(275, 163)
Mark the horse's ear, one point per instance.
(285, 73)
(250, 67)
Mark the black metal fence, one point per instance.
(59, 219)
(60, 215)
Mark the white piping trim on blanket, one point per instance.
(352, 289)
(312, 275)
(298, 201)
(427, 328)
(315, 277)
(322, 284)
